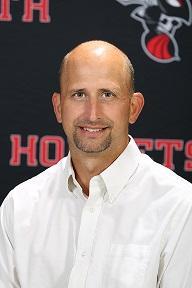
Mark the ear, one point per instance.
(137, 103)
(56, 100)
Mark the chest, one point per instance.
(90, 245)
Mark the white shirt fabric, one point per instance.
(133, 231)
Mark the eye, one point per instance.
(164, 21)
(79, 95)
(107, 95)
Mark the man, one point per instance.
(106, 215)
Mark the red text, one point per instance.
(29, 7)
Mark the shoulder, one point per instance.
(32, 189)
(162, 180)
(36, 194)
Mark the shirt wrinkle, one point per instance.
(126, 164)
(61, 239)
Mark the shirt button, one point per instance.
(83, 254)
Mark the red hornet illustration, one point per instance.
(160, 20)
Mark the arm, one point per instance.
(8, 277)
(176, 260)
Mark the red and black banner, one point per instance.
(34, 37)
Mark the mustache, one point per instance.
(98, 122)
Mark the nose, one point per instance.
(93, 109)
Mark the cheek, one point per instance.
(124, 112)
(69, 115)
(67, 121)
(120, 116)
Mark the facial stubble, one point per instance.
(93, 145)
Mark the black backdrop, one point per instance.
(34, 36)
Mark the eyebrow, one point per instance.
(114, 90)
(77, 90)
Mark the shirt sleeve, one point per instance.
(8, 274)
(176, 260)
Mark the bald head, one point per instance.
(100, 50)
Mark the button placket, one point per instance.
(87, 234)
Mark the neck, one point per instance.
(88, 165)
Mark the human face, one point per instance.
(94, 105)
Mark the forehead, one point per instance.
(95, 66)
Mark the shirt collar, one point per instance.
(115, 176)
(70, 181)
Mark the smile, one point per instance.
(93, 129)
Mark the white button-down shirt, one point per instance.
(133, 231)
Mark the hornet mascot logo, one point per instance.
(160, 20)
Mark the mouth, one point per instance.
(92, 131)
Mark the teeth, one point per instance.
(92, 130)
